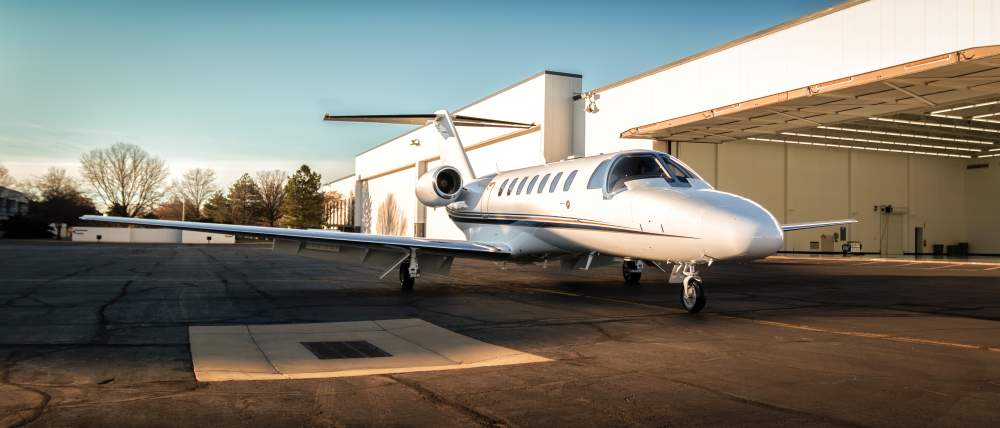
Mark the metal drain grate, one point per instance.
(341, 350)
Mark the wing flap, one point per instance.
(814, 224)
(324, 240)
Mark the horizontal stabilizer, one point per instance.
(815, 224)
(424, 119)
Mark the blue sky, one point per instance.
(242, 86)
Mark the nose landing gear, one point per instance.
(692, 293)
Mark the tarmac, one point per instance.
(100, 335)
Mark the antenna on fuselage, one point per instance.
(452, 150)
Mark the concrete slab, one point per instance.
(270, 352)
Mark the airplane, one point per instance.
(634, 207)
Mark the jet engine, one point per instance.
(439, 187)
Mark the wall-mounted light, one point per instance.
(590, 101)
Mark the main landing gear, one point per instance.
(409, 271)
(632, 272)
(692, 293)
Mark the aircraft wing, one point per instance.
(380, 251)
(815, 224)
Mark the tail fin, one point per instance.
(452, 150)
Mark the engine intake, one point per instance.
(439, 187)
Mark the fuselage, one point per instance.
(637, 204)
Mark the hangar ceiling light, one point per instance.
(873, 141)
(853, 147)
(935, 124)
(899, 134)
(943, 105)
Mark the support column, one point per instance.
(420, 210)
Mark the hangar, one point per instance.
(887, 111)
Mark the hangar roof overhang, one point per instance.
(947, 105)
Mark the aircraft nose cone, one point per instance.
(736, 228)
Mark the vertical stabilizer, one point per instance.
(452, 151)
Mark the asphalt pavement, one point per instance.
(97, 335)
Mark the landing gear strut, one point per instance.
(406, 280)
(409, 271)
(632, 272)
(692, 294)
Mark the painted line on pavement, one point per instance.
(860, 334)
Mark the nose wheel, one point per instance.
(693, 295)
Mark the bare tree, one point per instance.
(5, 179)
(272, 194)
(54, 183)
(196, 186)
(127, 179)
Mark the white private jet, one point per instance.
(634, 207)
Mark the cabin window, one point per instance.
(555, 182)
(531, 185)
(502, 186)
(569, 180)
(541, 185)
(520, 187)
(597, 179)
(628, 168)
(511, 188)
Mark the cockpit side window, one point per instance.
(597, 179)
(502, 186)
(511, 188)
(676, 171)
(541, 185)
(555, 182)
(628, 168)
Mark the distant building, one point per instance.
(12, 203)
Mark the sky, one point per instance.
(241, 86)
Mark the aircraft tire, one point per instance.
(696, 302)
(405, 280)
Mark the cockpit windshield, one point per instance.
(641, 166)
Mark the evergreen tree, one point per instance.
(303, 204)
(216, 209)
(244, 201)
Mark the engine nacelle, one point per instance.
(439, 187)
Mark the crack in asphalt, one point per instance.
(102, 335)
(439, 400)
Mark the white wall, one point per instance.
(146, 235)
(982, 206)
(799, 183)
(192, 237)
(858, 39)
